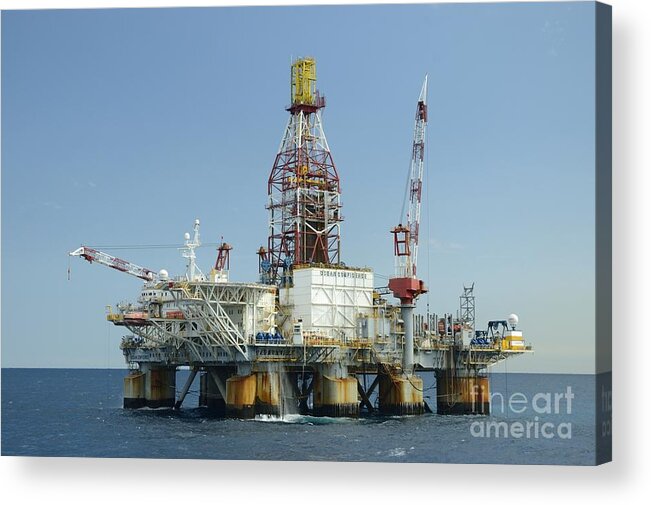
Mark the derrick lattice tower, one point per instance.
(304, 190)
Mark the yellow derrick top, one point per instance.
(303, 81)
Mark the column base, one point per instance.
(401, 395)
(160, 387)
(240, 412)
(134, 403)
(337, 410)
(462, 395)
(160, 404)
(134, 391)
(335, 397)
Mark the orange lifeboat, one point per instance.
(136, 318)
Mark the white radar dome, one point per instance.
(186, 236)
(163, 275)
(513, 319)
(196, 221)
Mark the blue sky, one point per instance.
(122, 126)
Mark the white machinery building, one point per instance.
(328, 301)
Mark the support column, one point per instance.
(407, 314)
(261, 392)
(134, 390)
(268, 396)
(240, 396)
(465, 393)
(401, 395)
(335, 393)
(160, 387)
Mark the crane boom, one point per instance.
(416, 174)
(406, 236)
(93, 255)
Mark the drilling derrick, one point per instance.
(303, 187)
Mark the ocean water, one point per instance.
(78, 413)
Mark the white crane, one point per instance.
(405, 285)
(188, 251)
(93, 255)
(406, 236)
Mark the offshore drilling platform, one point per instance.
(312, 335)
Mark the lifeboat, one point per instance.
(173, 314)
(136, 318)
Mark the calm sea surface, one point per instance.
(74, 412)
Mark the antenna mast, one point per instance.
(188, 253)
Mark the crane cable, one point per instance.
(404, 196)
(149, 246)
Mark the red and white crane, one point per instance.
(405, 285)
(415, 184)
(94, 256)
(223, 263)
(406, 236)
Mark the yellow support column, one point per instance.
(401, 395)
(160, 387)
(461, 394)
(267, 396)
(134, 390)
(240, 396)
(335, 397)
(258, 393)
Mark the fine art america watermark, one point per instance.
(539, 405)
